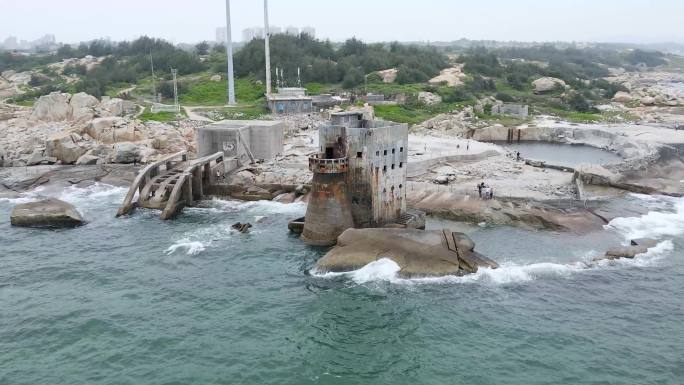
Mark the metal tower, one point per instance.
(229, 51)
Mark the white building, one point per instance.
(292, 31)
(250, 34)
(221, 35)
(311, 31)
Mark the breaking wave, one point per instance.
(655, 224)
(386, 270)
(189, 247)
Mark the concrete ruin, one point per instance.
(359, 177)
(290, 100)
(246, 141)
(520, 111)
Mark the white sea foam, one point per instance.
(386, 270)
(655, 224)
(189, 247)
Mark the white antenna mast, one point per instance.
(154, 82)
(268, 49)
(299, 77)
(229, 51)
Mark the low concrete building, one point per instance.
(359, 176)
(244, 140)
(291, 100)
(518, 110)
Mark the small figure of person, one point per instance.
(517, 156)
(479, 189)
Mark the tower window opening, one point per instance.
(385, 153)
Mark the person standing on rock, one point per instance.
(517, 156)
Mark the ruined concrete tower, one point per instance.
(329, 210)
(359, 176)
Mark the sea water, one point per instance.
(142, 301)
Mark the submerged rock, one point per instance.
(49, 213)
(418, 253)
(638, 246)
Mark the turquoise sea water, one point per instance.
(141, 301)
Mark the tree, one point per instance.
(202, 48)
(353, 78)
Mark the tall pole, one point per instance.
(174, 72)
(229, 51)
(154, 82)
(268, 49)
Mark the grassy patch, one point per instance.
(205, 92)
(147, 116)
(320, 88)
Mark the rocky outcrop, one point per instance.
(49, 213)
(64, 148)
(126, 153)
(547, 84)
(418, 253)
(622, 97)
(389, 75)
(452, 77)
(636, 247)
(429, 99)
(52, 108)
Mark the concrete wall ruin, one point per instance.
(236, 138)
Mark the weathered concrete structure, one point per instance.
(290, 101)
(518, 110)
(244, 140)
(359, 177)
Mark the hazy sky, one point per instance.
(371, 20)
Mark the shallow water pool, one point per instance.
(562, 154)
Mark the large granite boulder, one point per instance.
(547, 84)
(126, 153)
(49, 213)
(623, 97)
(83, 100)
(63, 147)
(418, 253)
(52, 108)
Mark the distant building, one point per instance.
(359, 177)
(292, 31)
(309, 31)
(275, 30)
(250, 34)
(10, 43)
(290, 100)
(221, 35)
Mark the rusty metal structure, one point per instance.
(359, 177)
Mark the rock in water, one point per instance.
(49, 213)
(418, 253)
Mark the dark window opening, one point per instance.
(392, 167)
(401, 164)
(355, 200)
(377, 153)
(384, 191)
(329, 151)
(401, 186)
(384, 168)
(393, 151)
(385, 153)
(401, 149)
(359, 154)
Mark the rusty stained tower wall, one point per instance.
(329, 213)
(376, 179)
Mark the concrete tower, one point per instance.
(329, 211)
(229, 51)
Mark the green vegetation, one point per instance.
(320, 62)
(147, 115)
(205, 92)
